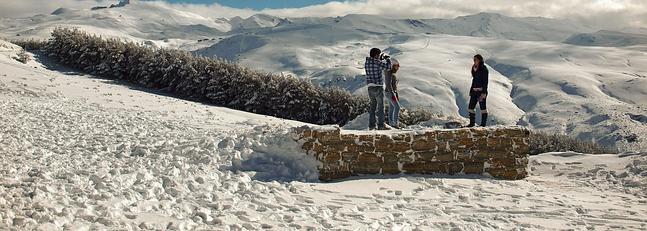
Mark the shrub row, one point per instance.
(541, 142)
(212, 81)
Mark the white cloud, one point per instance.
(26, 8)
(602, 13)
(611, 14)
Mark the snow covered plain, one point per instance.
(79, 152)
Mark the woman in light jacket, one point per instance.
(391, 93)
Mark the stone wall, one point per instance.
(500, 152)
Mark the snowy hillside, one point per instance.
(607, 39)
(548, 74)
(81, 152)
(141, 21)
(588, 92)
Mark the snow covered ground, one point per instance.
(547, 74)
(80, 153)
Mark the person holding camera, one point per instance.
(391, 91)
(375, 66)
(478, 91)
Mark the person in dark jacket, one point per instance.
(375, 67)
(478, 91)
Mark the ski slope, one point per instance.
(80, 152)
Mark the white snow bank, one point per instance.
(438, 122)
(275, 155)
(626, 172)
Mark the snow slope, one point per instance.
(140, 21)
(588, 92)
(607, 38)
(585, 91)
(79, 152)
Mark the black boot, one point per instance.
(472, 120)
(483, 119)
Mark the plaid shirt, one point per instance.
(374, 70)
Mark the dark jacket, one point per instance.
(479, 80)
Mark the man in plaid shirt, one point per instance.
(375, 67)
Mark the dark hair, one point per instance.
(375, 52)
(479, 57)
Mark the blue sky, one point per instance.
(257, 4)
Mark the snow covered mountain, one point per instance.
(575, 87)
(607, 38)
(85, 153)
(584, 91)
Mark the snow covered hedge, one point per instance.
(542, 142)
(202, 79)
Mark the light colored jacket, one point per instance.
(391, 81)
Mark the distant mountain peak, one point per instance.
(122, 3)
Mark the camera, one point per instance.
(384, 56)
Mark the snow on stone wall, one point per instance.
(501, 152)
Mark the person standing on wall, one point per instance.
(375, 66)
(478, 91)
(391, 91)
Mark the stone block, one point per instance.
(366, 138)
(462, 134)
(369, 158)
(445, 136)
(402, 137)
(332, 175)
(473, 167)
(308, 145)
(465, 155)
(360, 148)
(390, 168)
(317, 148)
(336, 146)
(404, 158)
(500, 133)
(390, 157)
(332, 157)
(400, 147)
(502, 162)
(466, 143)
(507, 174)
(417, 167)
(423, 145)
(366, 167)
(518, 132)
(326, 135)
(478, 133)
(454, 168)
(349, 157)
(436, 167)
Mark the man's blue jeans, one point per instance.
(376, 96)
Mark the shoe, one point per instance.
(472, 120)
(371, 129)
(483, 119)
(384, 127)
